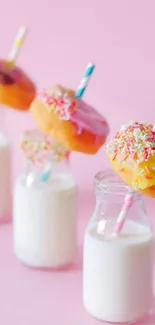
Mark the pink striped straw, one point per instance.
(126, 207)
(124, 212)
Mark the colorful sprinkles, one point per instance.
(38, 148)
(60, 103)
(134, 140)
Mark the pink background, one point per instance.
(64, 35)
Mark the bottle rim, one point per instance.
(108, 182)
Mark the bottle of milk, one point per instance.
(5, 170)
(44, 208)
(117, 269)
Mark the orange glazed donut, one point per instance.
(132, 156)
(70, 121)
(16, 89)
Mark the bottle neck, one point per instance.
(57, 167)
(116, 197)
(109, 187)
(61, 167)
(112, 197)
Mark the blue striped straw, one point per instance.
(46, 173)
(84, 82)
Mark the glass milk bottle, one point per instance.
(44, 213)
(117, 269)
(5, 170)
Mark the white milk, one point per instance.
(117, 279)
(44, 222)
(5, 167)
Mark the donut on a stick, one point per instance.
(16, 88)
(69, 120)
(132, 156)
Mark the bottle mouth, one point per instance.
(40, 149)
(108, 182)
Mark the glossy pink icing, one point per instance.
(86, 117)
(81, 114)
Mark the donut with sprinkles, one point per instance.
(70, 121)
(132, 156)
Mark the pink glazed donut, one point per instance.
(73, 123)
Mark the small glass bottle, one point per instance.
(117, 269)
(5, 170)
(44, 214)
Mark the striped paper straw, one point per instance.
(124, 212)
(46, 173)
(84, 82)
(16, 46)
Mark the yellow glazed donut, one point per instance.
(132, 156)
(70, 121)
